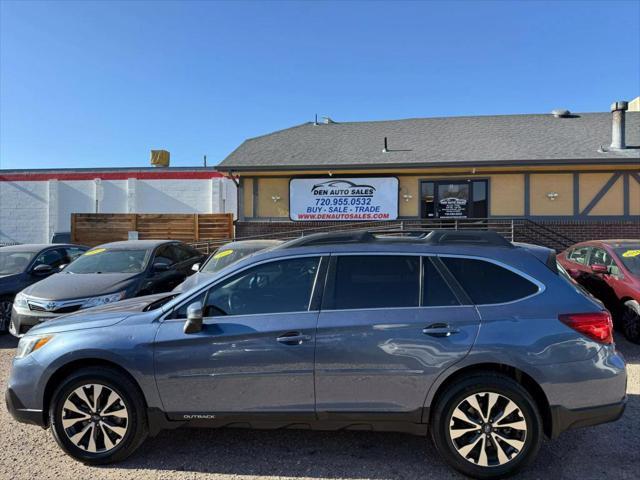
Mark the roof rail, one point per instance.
(474, 237)
(434, 237)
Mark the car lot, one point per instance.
(606, 451)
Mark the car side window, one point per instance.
(435, 291)
(488, 283)
(180, 253)
(579, 255)
(280, 286)
(375, 281)
(599, 256)
(54, 258)
(73, 252)
(165, 254)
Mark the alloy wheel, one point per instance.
(95, 418)
(488, 429)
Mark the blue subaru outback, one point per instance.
(476, 341)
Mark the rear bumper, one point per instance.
(20, 413)
(563, 419)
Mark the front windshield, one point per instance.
(103, 260)
(14, 262)
(630, 256)
(224, 258)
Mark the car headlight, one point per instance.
(30, 344)
(103, 300)
(20, 301)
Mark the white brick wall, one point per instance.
(23, 211)
(31, 211)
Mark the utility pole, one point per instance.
(205, 161)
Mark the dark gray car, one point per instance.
(465, 336)
(24, 265)
(105, 274)
(226, 255)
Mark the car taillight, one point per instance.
(597, 325)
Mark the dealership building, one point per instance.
(577, 174)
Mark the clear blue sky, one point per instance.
(97, 84)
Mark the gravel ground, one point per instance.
(28, 452)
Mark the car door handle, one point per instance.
(293, 338)
(440, 330)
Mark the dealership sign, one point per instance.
(343, 199)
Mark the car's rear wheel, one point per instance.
(6, 304)
(97, 416)
(631, 321)
(487, 426)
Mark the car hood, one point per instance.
(103, 316)
(195, 279)
(65, 286)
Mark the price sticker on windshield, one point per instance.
(222, 254)
(94, 252)
(631, 253)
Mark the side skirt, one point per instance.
(327, 421)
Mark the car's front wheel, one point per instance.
(631, 321)
(97, 416)
(487, 426)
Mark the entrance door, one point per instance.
(454, 199)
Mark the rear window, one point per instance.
(487, 283)
(376, 281)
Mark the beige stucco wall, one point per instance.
(590, 185)
(506, 195)
(409, 185)
(268, 188)
(634, 197)
(541, 184)
(247, 197)
(613, 201)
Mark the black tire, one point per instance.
(508, 390)
(631, 321)
(130, 397)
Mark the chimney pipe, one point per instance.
(618, 110)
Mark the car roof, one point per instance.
(611, 242)
(250, 244)
(36, 247)
(135, 244)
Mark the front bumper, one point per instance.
(22, 320)
(563, 419)
(20, 413)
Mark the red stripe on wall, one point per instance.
(41, 177)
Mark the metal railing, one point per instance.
(505, 227)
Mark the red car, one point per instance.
(610, 271)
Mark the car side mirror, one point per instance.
(599, 269)
(196, 267)
(160, 267)
(42, 269)
(194, 318)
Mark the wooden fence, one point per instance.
(95, 228)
